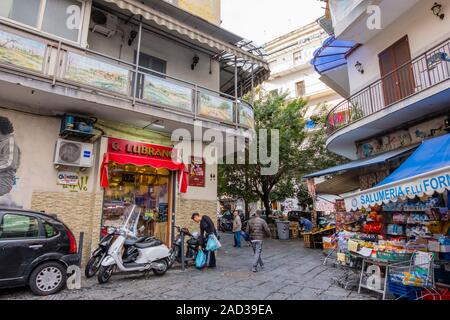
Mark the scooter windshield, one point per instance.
(131, 218)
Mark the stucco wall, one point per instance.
(35, 137)
(424, 31)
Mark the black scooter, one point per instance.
(193, 244)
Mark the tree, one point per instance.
(299, 153)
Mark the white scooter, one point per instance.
(141, 254)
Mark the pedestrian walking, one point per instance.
(207, 228)
(237, 229)
(258, 229)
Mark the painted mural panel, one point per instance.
(402, 138)
(95, 73)
(166, 92)
(21, 52)
(216, 107)
(9, 161)
(246, 115)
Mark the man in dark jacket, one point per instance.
(207, 228)
(258, 229)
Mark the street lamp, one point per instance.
(437, 10)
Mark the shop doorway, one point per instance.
(146, 187)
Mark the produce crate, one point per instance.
(393, 257)
(293, 233)
(308, 240)
(400, 290)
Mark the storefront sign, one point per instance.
(139, 149)
(197, 172)
(66, 178)
(428, 185)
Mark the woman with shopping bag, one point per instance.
(208, 238)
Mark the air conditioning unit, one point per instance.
(74, 153)
(103, 22)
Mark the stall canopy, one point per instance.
(112, 157)
(425, 172)
(362, 163)
(332, 54)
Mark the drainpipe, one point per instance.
(136, 70)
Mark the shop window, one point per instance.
(23, 11)
(146, 187)
(15, 226)
(62, 18)
(300, 88)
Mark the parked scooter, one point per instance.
(143, 254)
(101, 252)
(193, 244)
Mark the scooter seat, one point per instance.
(132, 241)
(148, 244)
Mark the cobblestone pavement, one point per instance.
(291, 272)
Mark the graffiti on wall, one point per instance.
(80, 185)
(9, 162)
(401, 138)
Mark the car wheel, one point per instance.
(48, 278)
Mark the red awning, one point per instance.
(119, 158)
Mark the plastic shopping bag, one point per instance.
(200, 260)
(213, 243)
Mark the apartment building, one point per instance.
(390, 60)
(90, 93)
(289, 59)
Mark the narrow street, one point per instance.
(291, 273)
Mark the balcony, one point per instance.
(84, 71)
(414, 78)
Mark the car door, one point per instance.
(21, 241)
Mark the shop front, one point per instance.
(145, 175)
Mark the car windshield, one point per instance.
(131, 218)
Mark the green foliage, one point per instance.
(300, 153)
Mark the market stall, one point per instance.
(406, 213)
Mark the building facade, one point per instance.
(289, 59)
(394, 75)
(89, 102)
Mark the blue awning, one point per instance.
(425, 172)
(362, 163)
(332, 54)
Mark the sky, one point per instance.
(264, 20)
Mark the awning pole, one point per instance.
(253, 87)
(136, 70)
(236, 91)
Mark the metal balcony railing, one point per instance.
(64, 63)
(413, 77)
